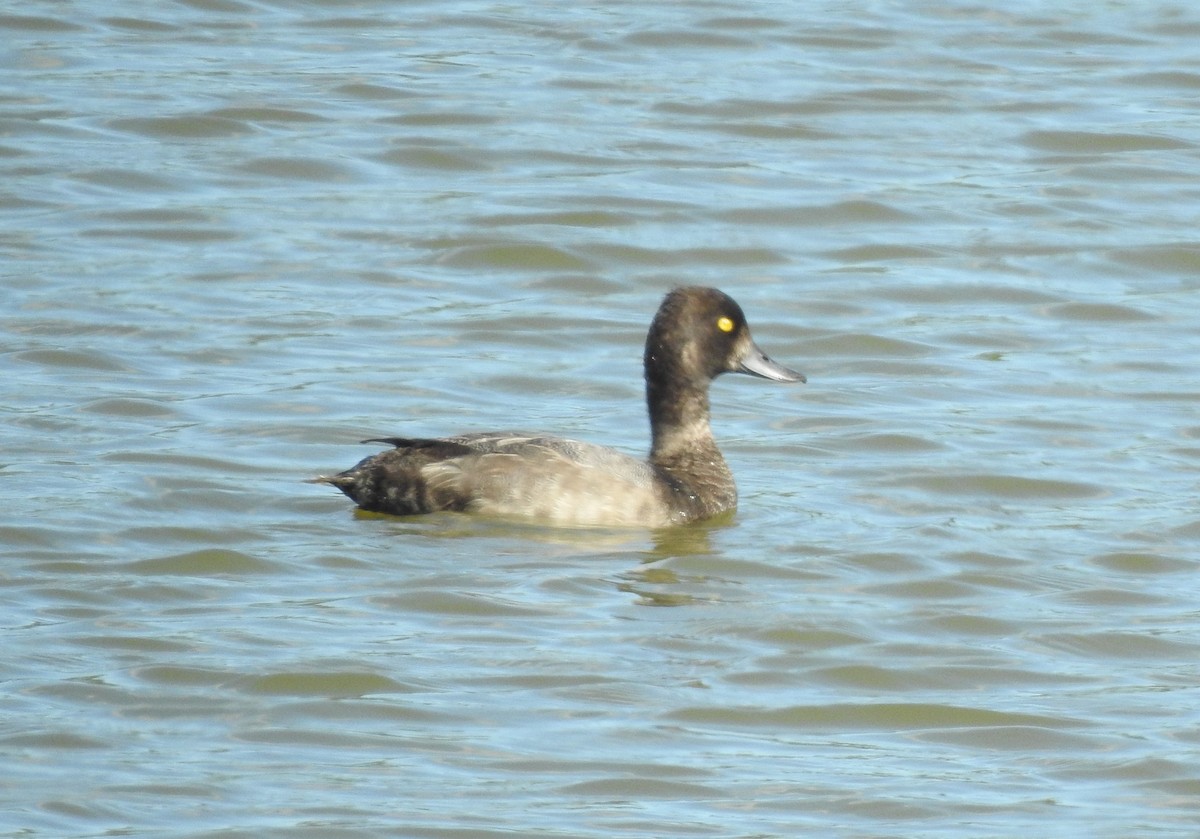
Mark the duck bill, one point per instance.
(756, 363)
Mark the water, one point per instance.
(958, 598)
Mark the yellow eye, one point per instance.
(724, 324)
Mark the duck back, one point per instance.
(515, 474)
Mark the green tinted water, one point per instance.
(957, 599)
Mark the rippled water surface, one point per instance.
(960, 595)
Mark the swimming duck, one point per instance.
(697, 334)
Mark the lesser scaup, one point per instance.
(697, 334)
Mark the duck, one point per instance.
(697, 335)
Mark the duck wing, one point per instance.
(509, 473)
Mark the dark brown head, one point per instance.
(700, 333)
(697, 334)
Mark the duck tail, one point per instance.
(340, 481)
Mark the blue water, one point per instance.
(957, 599)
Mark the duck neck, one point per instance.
(679, 421)
(684, 452)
